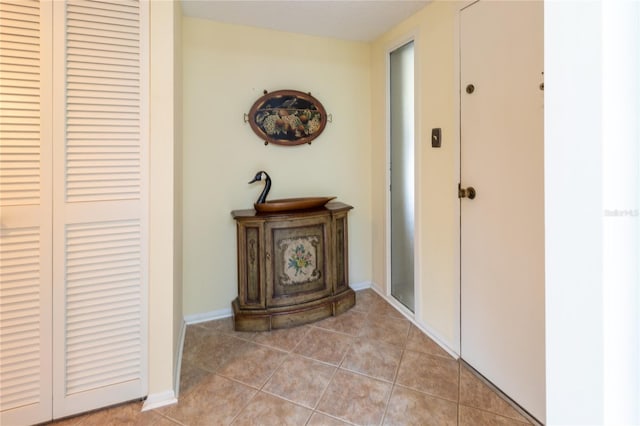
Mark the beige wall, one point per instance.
(433, 29)
(226, 68)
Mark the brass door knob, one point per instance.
(469, 192)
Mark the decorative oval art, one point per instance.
(287, 117)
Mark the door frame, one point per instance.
(457, 235)
(411, 36)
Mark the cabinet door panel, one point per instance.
(298, 261)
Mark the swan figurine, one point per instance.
(267, 186)
(286, 204)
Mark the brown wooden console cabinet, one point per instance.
(292, 267)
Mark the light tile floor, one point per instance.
(368, 366)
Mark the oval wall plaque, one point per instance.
(287, 117)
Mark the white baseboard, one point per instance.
(208, 316)
(422, 327)
(160, 399)
(360, 286)
(178, 367)
(436, 338)
(378, 290)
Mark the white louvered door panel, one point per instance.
(25, 212)
(100, 205)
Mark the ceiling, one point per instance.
(357, 20)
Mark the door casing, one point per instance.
(406, 38)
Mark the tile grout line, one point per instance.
(243, 406)
(290, 354)
(497, 392)
(344, 356)
(324, 391)
(395, 376)
(172, 420)
(337, 368)
(307, 331)
(393, 386)
(257, 389)
(274, 371)
(494, 414)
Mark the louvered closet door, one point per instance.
(100, 205)
(25, 212)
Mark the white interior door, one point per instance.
(73, 199)
(502, 228)
(99, 204)
(25, 212)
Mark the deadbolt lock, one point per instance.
(470, 88)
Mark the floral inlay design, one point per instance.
(300, 260)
